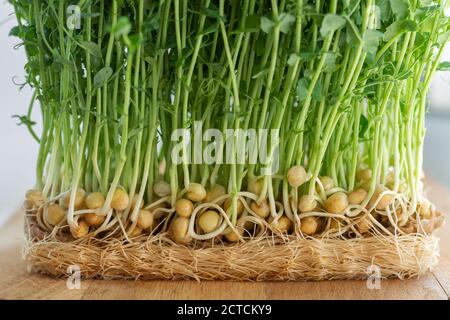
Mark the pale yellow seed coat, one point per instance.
(357, 196)
(383, 201)
(214, 193)
(262, 209)
(54, 214)
(209, 221)
(363, 225)
(93, 219)
(179, 230)
(255, 186)
(95, 200)
(308, 225)
(425, 209)
(283, 224)
(327, 183)
(80, 230)
(196, 192)
(233, 237)
(307, 203)
(136, 232)
(184, 207)
(335, 225)
(240, 206)
(364, 174)
(145, 219)
(79, 199)
(35, 197)
(337, 203)
(296, 176)
(162, 189)
(120, 200)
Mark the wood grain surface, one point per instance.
(17, 283)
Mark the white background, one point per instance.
(18, 150)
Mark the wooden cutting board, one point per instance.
(17, 283)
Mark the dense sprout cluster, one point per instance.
(343, 82)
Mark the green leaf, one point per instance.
(349, 5)
(426, 2)
(329, 62)
(331, 23)
(403, 73)
(307, 55)
(261, 73)
(93, 48)
(371, 40)
(267, 24)
(293, 58)
(133, 132)
(351, 38)
(102, 77)
(15, 32)
(260, 46)
(212, 12)
(24, 120)
(302, 89)
(444, 66)
(363, 126)
(423, 12)
(399, 27)
(285, 21)
(135, 41)
(317, 92)
(385, 10)
(253, 22)
(212, 28)
(59, 59)
(444, 38)
(400, 8)
(425, 17)
(122, 27)
(152, 23)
